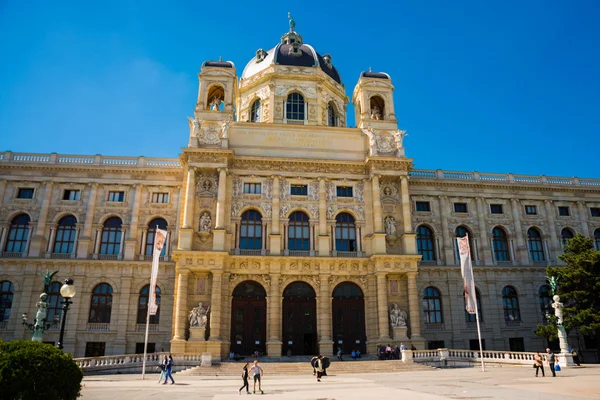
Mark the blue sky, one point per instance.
(507, 86)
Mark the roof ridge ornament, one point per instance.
(292, 22)
(292, 38)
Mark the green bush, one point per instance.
(34, 371)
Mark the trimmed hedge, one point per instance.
(32, 370)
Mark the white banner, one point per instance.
(467, 273)
(160, 239)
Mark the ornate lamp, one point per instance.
(67, 291)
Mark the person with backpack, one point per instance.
(245, 378)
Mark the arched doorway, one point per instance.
(348, 308)
(248, 318)
(299, 319)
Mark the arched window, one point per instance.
(151, 234)
(299, 290)
(331, 115)
(143, 305)
(54, 301)
(545, 300)
(461, 232)
(110, 242)
(294, 107)
(7, 290)
(472, 317)
(347, 290)
(101, 304)
(425, 243)
(565, 235)
(377, 108)
(500, 244)
(345, 232)
(432, 306)
(298, 235)
(510, 304)
(597, 238)
(255, 111)
(536, 247)
(65, 235)
(251, 231)
(18, 234)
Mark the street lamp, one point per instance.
(66, 291)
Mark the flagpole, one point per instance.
(479, 331)
(150, 296)
(146, 339)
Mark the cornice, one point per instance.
(503, 186)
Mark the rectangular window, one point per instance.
(531, 210)
(299, 190)
(423, 206)
(496, 209)
(460, 207)
(162, 198)
(117, 197)
(595, 211)
(516, 344)
(139, 348)
(95, 349)
(473, 344)
(71, 194)
(344, 191)
(563, 211)
(252, 188)
(25, 193)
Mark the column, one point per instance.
(87, 239)
(131, 240)
(324, 242)
(4, 228)
(220, 224)
(324, 315)
(3, 184)
(76, 241)
(448, 249)
(37, 240)
(414, 306)
(143, 246)
(215, 305)
(121, 244)
(583, 212)
(97, 245)
(382, 307)
(274, 310)
(275, 205)
(181, 312)
(188, 203)
(555, 245)
(51, 240)
(521, 245)
(311, 238)
(358, 239)
(377, 221)
(485, 251)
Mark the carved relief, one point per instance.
(207, 184)
(313, 191)
(237, 187)
(284, 189)
(209, 135)
(267, 188)
(330, 192)
(359, 192)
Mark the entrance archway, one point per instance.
(248, 318)
(348, 308)
(299, 319)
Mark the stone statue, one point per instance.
(558, 306)
(372, 140)
(399, 137)
(397, 317)
(292, 22)
(40, 316)
(375, 113)
(216, 103)
(205, 222)
(390, 225)
(48, 279)
(194, 126)
(225, 129)
(199, 316)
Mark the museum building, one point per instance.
(288, 232)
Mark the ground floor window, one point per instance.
(95, 349)
(435, 344)
(139, 348)
(516, 344)
(474, 344)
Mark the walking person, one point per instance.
(339, 354)
(168, 371)
(245, 378)
(538, 363)
(163, 368)
(551, 361)
(319, 368)
(256, 371)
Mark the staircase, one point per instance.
(304, 368)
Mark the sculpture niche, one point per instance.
(398, 319)
(198, 319)
(205, 227)
(390, 229)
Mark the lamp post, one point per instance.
(40, 325)
(66, 291)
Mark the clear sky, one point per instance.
(504, 86)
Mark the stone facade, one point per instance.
(231, 204)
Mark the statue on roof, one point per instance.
(292, 22)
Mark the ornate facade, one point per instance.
(296, 233)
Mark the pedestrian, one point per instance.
(353, 355)
(412, 347)
(313, 363)
(538, 363)
(403, 347)
(575, 355)
(339, 354)
(256, 371)
(551, 361)
(168, 371)
(388, 352)
(245, 378)
(163, 368)
(319, 368)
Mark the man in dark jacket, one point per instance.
(551, 361)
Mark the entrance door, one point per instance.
(299, 319)
(348, 318)
(248, 319)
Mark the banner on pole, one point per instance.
(160, 239)
(466, 268)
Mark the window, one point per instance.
(510, 304)
(7, 290)
(65, 235)
(425, 243)
(101, 304)
(471, 317)
(496, 209)
(345, 232)
(162, 198)
(69, 194)
(251, 231)
(595, 211)
(432, 306)
(25, 193)
(143, 305)
(18, 234)
(460, 207)
(563, 211)
(139, 347)
(117, 197)
(531, 210)
(461, 232)
(294, 107)
(95, 349)
(344, 191)
(149, 245)
(299, 190)
(110, 241)
(545, 300)
(474, 344)
(298, 234)
(255, 111)
(500, 243)
(597, 238)
(252, 188)
(54, 301)
(516, 344)
(331, 115)
(566, 234)
(536, 249)
(423, 206)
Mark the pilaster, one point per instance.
(274, 342)
(521, 251)
(131, 241)
(447, 250)
(38, 240)
(275, 236)
(215, 306)
(485, 252)
(86, 241)
(323, 238)
(219, 231)
(555, 244)
(324, 313)
(181, 309)
(382, 308)
(414, 308)
(409, 239)
(186, 233)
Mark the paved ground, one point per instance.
(517, 383)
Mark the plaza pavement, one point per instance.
(464, 383)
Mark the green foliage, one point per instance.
(550, 330)
(32, 370)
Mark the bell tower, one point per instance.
(373, 100)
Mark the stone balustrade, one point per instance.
(132, 363)
(54, 158)
(458, 358)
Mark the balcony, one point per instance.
(12, 254)
(108, 257)
(434, 326)
(62, 256)
(142, 327)
(98, 327)
(345, 254)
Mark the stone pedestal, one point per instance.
(565, 359)
(400, 334)
(275, 244)
(274, 348)
(197, 334)
(206, 360)
(186, 237)
(407, 356)
(219, 239)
